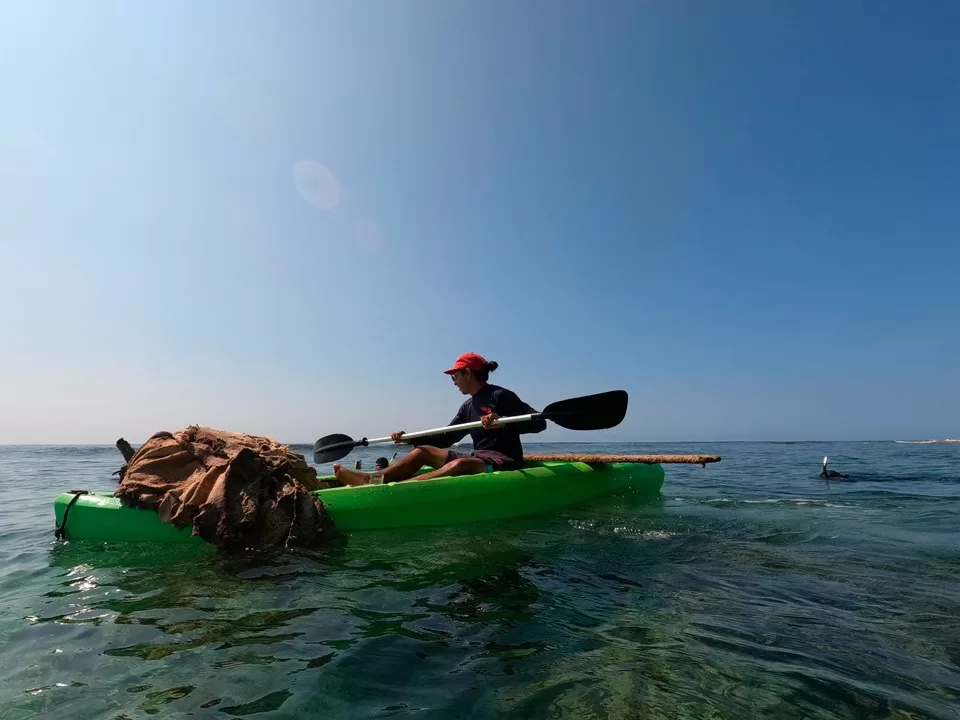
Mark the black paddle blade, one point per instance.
(590, 412)
(331, 448)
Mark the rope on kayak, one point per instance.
(701, 460)
(61, 529)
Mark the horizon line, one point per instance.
(547, 442)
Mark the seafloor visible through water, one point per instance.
(751, 589)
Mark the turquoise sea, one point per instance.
(750, 589)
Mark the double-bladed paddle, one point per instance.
(590, 412)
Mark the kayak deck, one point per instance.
(539, 487)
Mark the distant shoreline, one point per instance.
(947, 441)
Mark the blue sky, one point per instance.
(745, 214)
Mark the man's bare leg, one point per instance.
(402, 469)
(460, 466)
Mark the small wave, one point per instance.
(652, 535)
(723, 502)
(658, 535)
(945, 441)
(622, 530)
(799, 502)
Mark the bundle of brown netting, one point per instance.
(235, 490)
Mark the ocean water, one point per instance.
(751, 589)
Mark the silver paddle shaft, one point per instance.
(454, 428)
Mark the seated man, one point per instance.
(495, 447)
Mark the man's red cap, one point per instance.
(468, 361)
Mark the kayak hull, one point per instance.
(540, 487)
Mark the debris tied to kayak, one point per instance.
(236, 490)
(701, 460)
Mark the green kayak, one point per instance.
(539, 487)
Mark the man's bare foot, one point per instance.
(351, 477)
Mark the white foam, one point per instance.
(800, 502)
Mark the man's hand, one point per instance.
(395, 436)
(487, 421)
